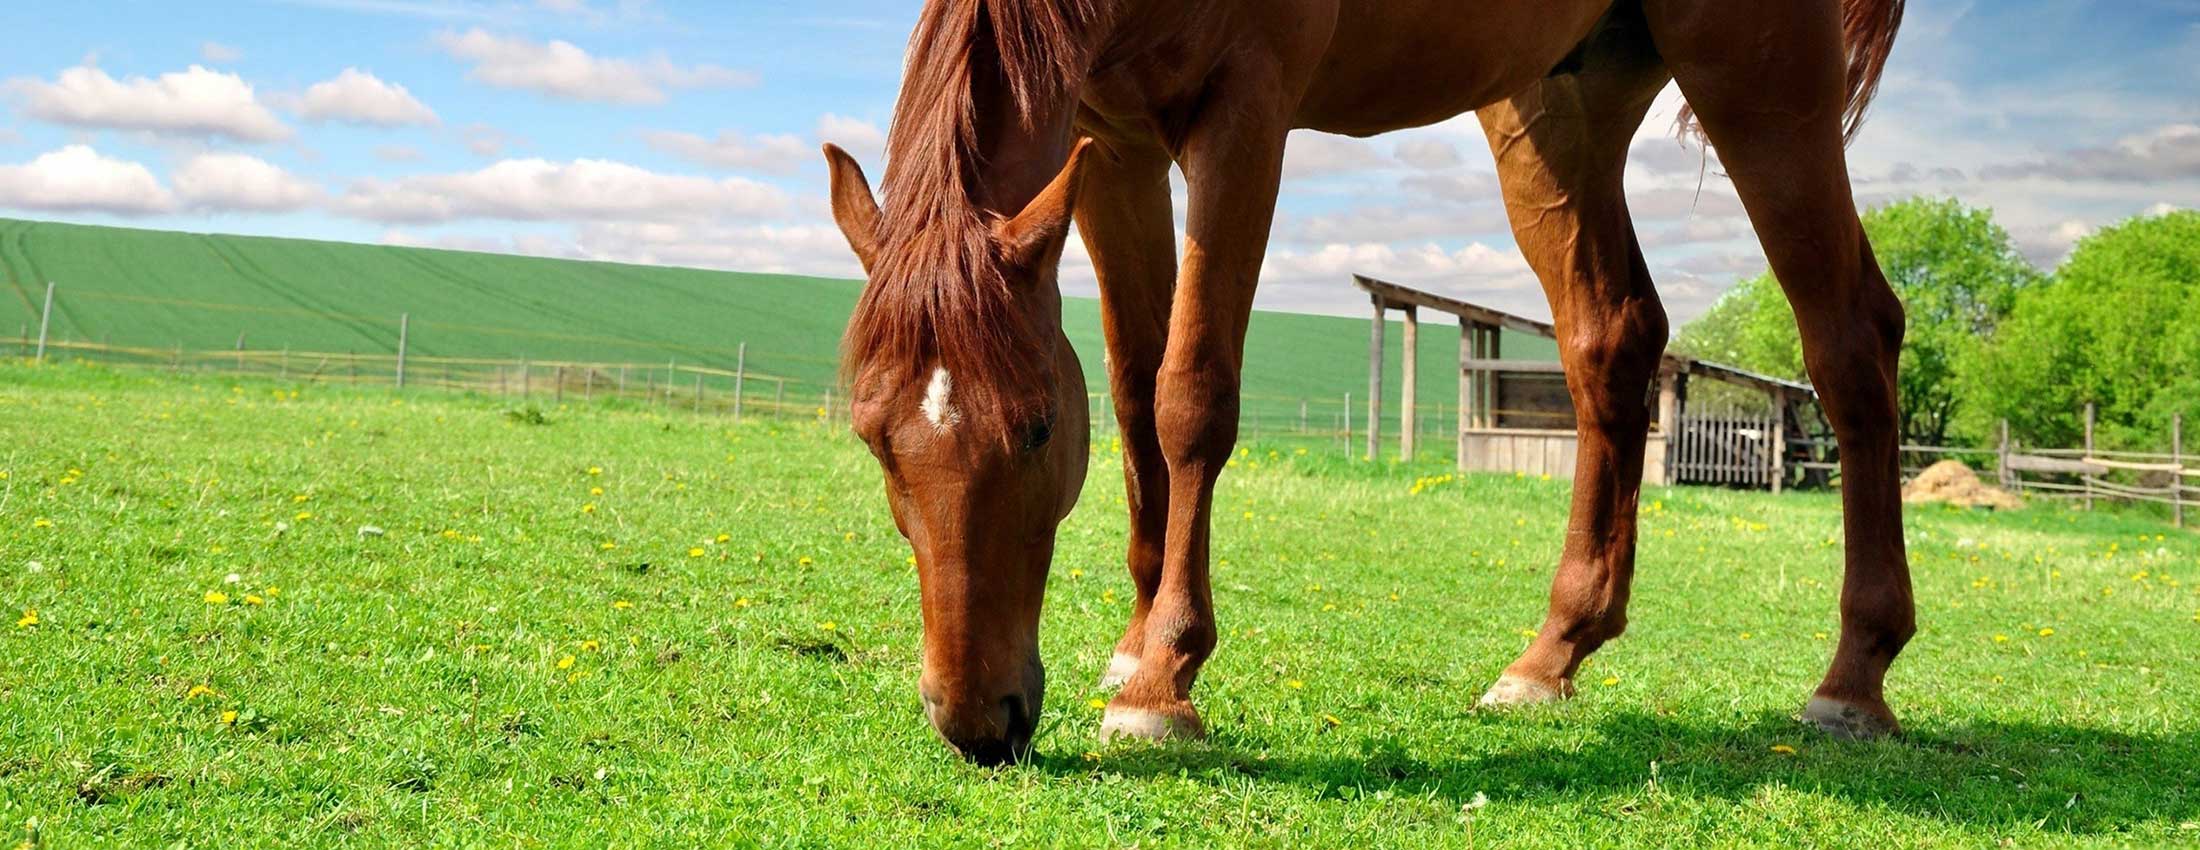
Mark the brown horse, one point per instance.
(1017, 116)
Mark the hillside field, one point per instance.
(160, 289)
(257, 614)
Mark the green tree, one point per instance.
(2119, 326)
(1957, 276)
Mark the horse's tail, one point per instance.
(1868, 28)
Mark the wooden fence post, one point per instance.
(2001, 462)
(1302, 414)
(2088, 479)
(622, 379)
(1348, 425)
(740, 377)
(45, 317)
(698, 393)
(558, 396)
(283, 372)
(588, 384)
(404, 330)
(2177, 459)
(672, 370)
(240, 353)
(779, 397)
(526, 378)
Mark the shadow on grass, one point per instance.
(1983, 775)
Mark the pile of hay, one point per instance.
(1951, 482)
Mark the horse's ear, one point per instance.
(854, 209)
(1036, 233)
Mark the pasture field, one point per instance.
(255, 615)
(204, 292)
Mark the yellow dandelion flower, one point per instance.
(595, 491)
(590, 646)
(303, 516)
(1745, 636)
(1097, 702)
(1332, 720)
(299, 498)
(2001, 638)
(41, 522)
(271, 591)
(595, 470)
(1295, 685)
(828, 625)
(216, 597)
(588, 508)
(229, 718)
(450, 534)
(2047, 632)
(742, 602)
(1783, 749)
(29, 618)
(607, 545)
(252, 599)
(695, 552)
(198, 691)
(621, 605)
(724, 538)
(1076, 573)
(848, 537)
(804, 561)
(1330, 607)
(1610, 681)
(566, 663)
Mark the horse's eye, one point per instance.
(1038, 433)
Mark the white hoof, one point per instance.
(1120, 668)
(1142, 725)
(1513, 690)
(1847, 722)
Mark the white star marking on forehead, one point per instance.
(936, 408)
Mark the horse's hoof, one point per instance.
(1848, 722)
(1513, 690)
(1138, 724)
(1120, 668)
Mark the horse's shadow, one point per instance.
(2060, 778)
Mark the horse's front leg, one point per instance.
(1130, 232)
(1233, 163)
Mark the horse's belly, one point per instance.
(1406, 63)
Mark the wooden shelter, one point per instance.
(1516, 415)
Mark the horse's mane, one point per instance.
(937, 294)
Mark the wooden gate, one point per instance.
(1727, 449)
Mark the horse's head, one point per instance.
(972, 400)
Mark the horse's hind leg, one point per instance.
(1776, 117)
(1561, 148)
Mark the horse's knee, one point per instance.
(1196, 416)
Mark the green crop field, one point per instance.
(159, 289)
(256, 614)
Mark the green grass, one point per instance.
(158, 289)
(407, 688)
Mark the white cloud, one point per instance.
(358, 97)
(2171, 152)
(1428, 154)
(539, 190)
(777, 154)
(235, 181)
(1309, 154)
(398, 153)
(862, 139)
(218, 53)
(812, 249)
(79, 179)
(486, 141)
(191, 102)
(561, 69)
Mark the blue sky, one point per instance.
(686, 133)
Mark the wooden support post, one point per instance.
(558, 379)
(1375, 381)
(1779, 440)
(403, 331)
(740, 377)
(1408, 418)
(1466, 394)
(1302, 414)
(526, 378)
(283, 371)
(45, 319)
(672, 370)
(779, 396)
(588, 384)
(1347, 425)
(698, 393)
(2088, 479)
(622, 379)
(240, 354)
